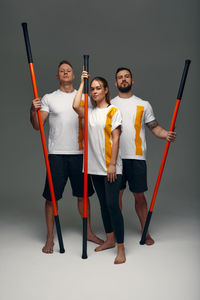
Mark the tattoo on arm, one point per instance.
(151, 125)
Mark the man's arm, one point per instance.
(36, 104)
(160, 132)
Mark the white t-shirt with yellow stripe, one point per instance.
(135, 114)
(65, 127)
(101, 123)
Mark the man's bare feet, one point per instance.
(149, 241)
(91, 237)
(120, 258)
(48, 247)
(105, 245)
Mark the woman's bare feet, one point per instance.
(120, 258)
(48, 247)
(105, 245)
(93, 238)
(109, 243)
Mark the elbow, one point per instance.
(75, 107)
(37, 128)
(116, 139)
(115, 143)
(78, 109)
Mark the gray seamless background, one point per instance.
(153, 38)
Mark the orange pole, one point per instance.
(164, 156)
(32, 73)
(85, 199)
(85, 157)
(42, 134)
(172, 126)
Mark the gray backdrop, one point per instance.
(153, 38)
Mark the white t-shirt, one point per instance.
(101, 123)
(65, 127)
(135, 114)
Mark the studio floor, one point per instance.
(168, 270)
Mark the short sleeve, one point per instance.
(116, 120)
(148, 114)
(44, 103)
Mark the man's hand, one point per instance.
(36, 104)
(171, 136)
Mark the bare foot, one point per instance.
(105, 245)
(93, 238)
(48, 247)
(120, 259)
(149, 241)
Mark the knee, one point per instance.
(49, 206)
(80, 199)
(49, 203)
(140, 198)
(113, 207)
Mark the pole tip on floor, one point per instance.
(62, 250)
(142, 242)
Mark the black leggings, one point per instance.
(108, 194)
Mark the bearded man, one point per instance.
(136, 113)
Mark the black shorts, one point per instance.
(64, 166)
(135, 172)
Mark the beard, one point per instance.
(124, 89)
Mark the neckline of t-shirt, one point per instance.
(59, 90)
(126, 98)
(109, 105)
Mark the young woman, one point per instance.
(104, 163)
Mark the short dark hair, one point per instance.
(121, 69)
(105, 85)
(65, 62)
